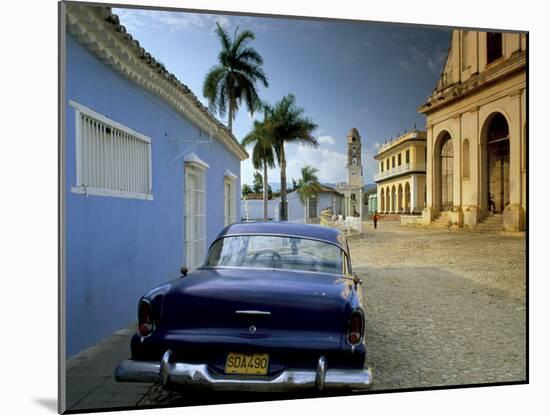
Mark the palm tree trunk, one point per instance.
(230, 109)
(283, 213)
(230, 117)
(306, 207)
(266, 187)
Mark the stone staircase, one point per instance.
(442, 221)
(492, 223)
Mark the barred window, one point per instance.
(111, 159)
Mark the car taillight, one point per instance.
(355, 330)
(145, 319)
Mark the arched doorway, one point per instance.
(388, 206)
(446, 156)
(408, 206)
(497, 170)
(400, 198)
(393, 199)
(382, 201)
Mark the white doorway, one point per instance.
(194, 216)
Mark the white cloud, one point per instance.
(331, 165)
(326, 139)
(135, 19)
(175, 21)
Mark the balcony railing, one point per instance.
(404, 168)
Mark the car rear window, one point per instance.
(278, 252)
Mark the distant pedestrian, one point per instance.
(491, 203)
(375, 218)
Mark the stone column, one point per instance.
(513, 213)
(413, 190)
(360, 230)
(346, 208)
(457, 217)
(428, 212)
(471, 208)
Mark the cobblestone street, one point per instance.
(443, 308)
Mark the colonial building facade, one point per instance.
(477, 132)
(401, 177)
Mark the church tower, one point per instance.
(354, 167)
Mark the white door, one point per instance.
(195, 217)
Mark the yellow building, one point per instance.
(476, 133)
(401, 177)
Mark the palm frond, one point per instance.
(263, 150)
(224, 37)
(308, 182)
(241, 40)
(234, 80)
(249, 55)
(211, 86)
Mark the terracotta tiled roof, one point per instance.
(319, 188)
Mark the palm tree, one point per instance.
(307, 186)
(246, 189)
(289, 126)
(234, 78)
(263, 153)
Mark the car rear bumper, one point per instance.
(199, 375)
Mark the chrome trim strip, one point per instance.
(253, 312)
(199, 375)
(286, 235)
(280, 269)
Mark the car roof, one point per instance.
(323, 233)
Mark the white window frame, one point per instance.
(194, 211)
(229, 198)
(83, 188)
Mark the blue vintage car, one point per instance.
(274, 307)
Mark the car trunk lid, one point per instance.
(256, 303)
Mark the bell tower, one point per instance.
(354, 167)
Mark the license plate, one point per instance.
(247, 364)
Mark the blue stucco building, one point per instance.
(150, 176)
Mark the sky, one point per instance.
(371, 76)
